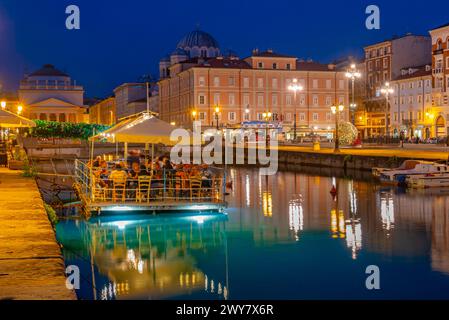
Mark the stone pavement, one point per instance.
(31, 263)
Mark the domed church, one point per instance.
(195, 44)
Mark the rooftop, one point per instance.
(415, 72)
(48, 70)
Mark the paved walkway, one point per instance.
(31, 264)
(378, 152)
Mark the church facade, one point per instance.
(50, 94)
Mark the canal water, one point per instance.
(284, 237)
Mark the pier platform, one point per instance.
(31, 263)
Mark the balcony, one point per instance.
(438, 71)
(438, 51)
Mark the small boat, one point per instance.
(430, 180)
(398, 176)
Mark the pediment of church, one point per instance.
(53, 102)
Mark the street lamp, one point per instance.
(217, 111)
(336, 111)
(386, 90)
(19, 109)
(266, 115)
(194, 115)
(353, 74)
(3, 104)
(295, 87)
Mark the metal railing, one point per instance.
(164, 186)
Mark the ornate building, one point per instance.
(200, 80)
(50, 94)
(440, 72)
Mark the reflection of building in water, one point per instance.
(338, 228)
(387, 210)
(296, 217)
(354, 236)
(158, 258)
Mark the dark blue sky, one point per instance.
(121, 40)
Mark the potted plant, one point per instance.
(17, 162)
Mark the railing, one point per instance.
(164, 187)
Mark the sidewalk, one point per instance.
(31, 264)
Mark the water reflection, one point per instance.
(148, 257)
(284, 237)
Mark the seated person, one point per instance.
(118, 174)
(135, 171)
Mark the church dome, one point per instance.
(199, 39)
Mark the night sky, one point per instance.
(121, 40)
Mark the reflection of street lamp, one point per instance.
(295, 87)
(386, 90)
(353, 74)
(336, 111)
(3, 104)
(217, 111)
(19, 109)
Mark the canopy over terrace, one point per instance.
(12, 120)
(143, 129)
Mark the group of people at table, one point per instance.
(165, 176)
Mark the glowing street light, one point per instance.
(217, 111)
(295, 87)
(336, 111)
(19, 109)
(3, 104)
(353, 74)
(386, 90)
(194, 115)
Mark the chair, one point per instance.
(119, 188)
(143, 188)
(195, 187)
(99, 193)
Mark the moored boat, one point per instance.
(428, 180)
(398, 176)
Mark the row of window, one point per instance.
(274, 65)
(411, 99)
(260, 82)
(415, 84)
(378, 52)
(377, 64)
(232, 116)
(289, 100)
(411, 115)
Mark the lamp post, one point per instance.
(217, 111)
(386, 90)
(19, 109)
(353, 74)
(3, 104)
(194, 115)
(336, 111)
(295, 87)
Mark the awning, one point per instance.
(143, 129)
(12, 120)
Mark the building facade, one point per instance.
(411, 111)
(244, 89)
(49, 94)
(103, 112)
(385, 61)
(440, 74)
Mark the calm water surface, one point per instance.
(284, 237)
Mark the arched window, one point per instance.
(43, 116)
(439, 44)
(53, 117)
(62, 117)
